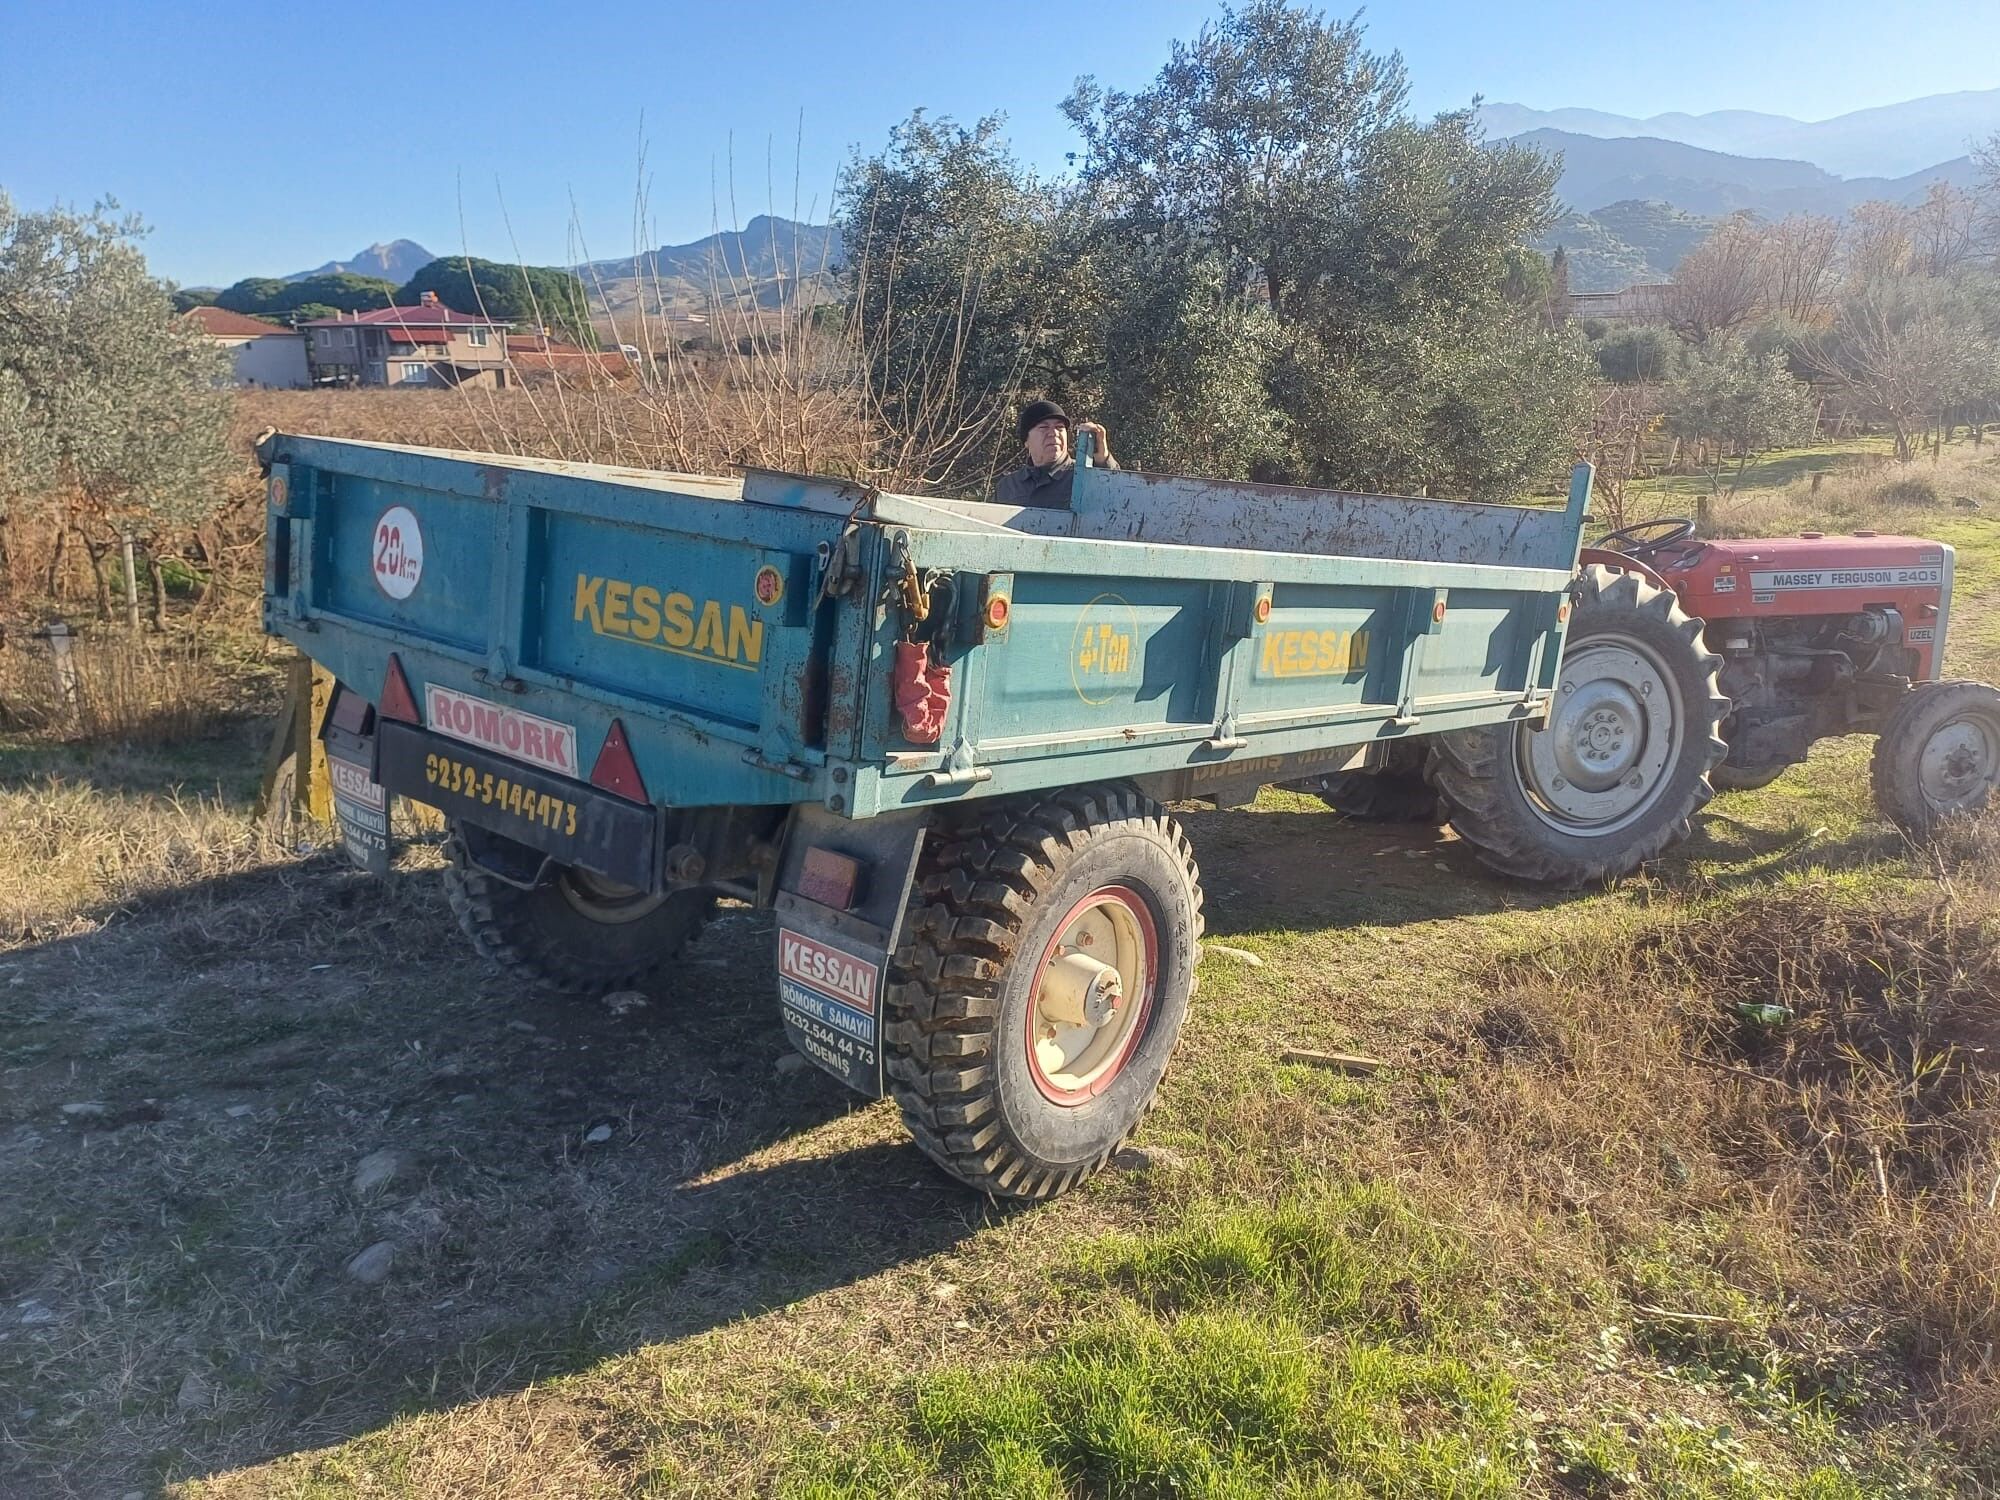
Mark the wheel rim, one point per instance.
(1960, 763)
(1607, 751)
(605, 900)
(1093, 992)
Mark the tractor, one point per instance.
(1817, 636)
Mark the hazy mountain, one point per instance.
(1597, 171)
(1892, 140)
(397, 261)
(764, 249)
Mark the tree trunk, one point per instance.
(104, 606)
(159, 582)
(56, 555)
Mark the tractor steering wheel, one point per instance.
(1636, 538)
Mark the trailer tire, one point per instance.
(1579, 805)
(565, 934)
(1939, 755)
(996, 1088)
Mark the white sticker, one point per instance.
(542, 742)
(1725, 584)
(816, 965)
(397, 547)
(352, 782)
(1845, 578)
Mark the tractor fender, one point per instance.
(1620, 562)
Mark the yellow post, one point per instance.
(296, 748)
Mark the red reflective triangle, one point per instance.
(397, 700)
(615, 770)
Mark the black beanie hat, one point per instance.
(1034, 414)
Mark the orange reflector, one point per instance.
(616, 772)
(1437, 611)
(398, 702)
(1262, 611)
(997, 611)
(1562, 614)
(830, 878)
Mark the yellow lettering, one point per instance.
(746, 636)
(646, 612)
(1272, 639)
(586, 600)
(708, 635)
(617, 595)
(679, 612)
(1357, 651)
(1329, 643)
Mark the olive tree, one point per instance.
(1735, 404)
(1365, 259)
(113, 412)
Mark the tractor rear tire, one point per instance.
(1616, 775)
(1939, 755)
(574, 933)
(1020, 1068)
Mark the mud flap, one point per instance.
(842, 890)
(360, 802)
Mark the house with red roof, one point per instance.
(263, 353)
(410, 347)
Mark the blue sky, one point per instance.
(256, 139)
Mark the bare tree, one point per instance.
(1908, 351)
(1944, 230)
(1718, 286)
(1879, 243)
(1799, 253)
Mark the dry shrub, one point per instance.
(121, 689)
(1837, 1158)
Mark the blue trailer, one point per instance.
(938, 738)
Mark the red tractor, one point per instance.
(1817, 636)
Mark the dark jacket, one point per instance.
(1045, 485)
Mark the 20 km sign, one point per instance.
(398, 552)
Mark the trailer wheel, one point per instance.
(1041, 984)
(1939, 754)
(575, 932)
(1615, 776)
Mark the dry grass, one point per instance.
(114, 688)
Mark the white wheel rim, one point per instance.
(1093, 991)
(1960, 763)
(1608, 749)
(605, 900)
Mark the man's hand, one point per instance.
(1101, 449)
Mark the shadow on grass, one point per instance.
(225, 762)
(1303, 870)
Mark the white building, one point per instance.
(265, 354)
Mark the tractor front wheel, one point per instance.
(1615, 775)
(1040, 986)
(1939, 754)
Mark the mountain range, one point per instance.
(1892, 140)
